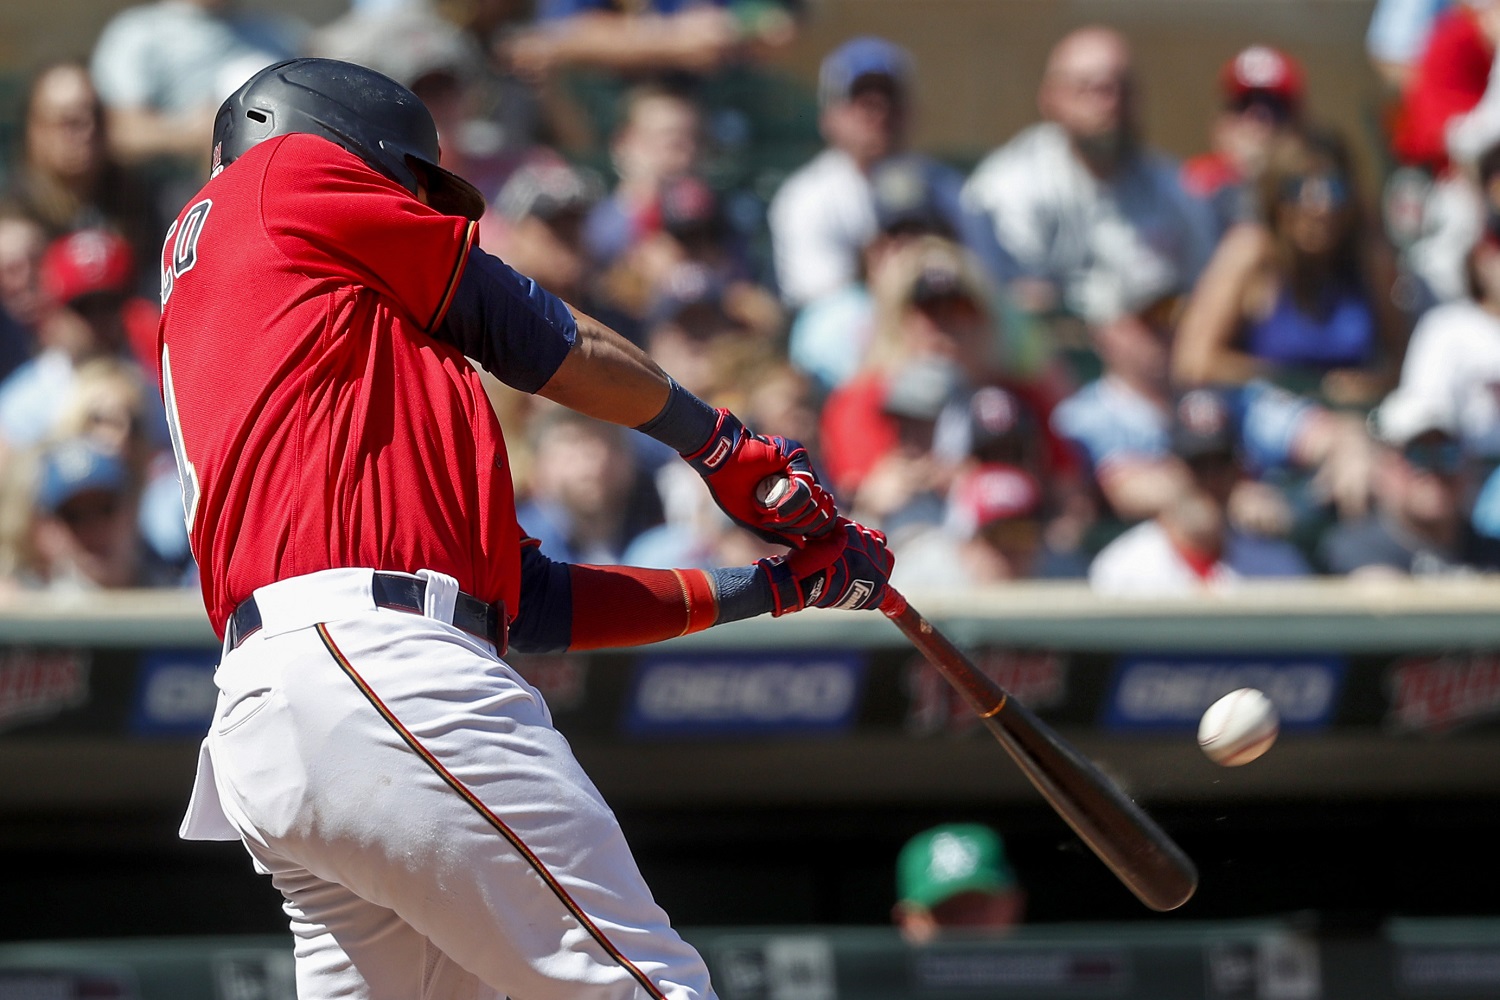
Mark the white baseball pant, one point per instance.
(431, 832)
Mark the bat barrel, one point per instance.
(1114, 827)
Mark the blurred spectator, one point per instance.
(1449, 78)
(163, 68)
(86, 277)
(22, 241)
(541, 212)
(81, 532)
(1432, 209)
(695, 532)
(691, 232)
(1262, 99)
(905, 488)
(1177, 553)
(65, 179)
(1121, 425)
(1257, 515)
(583, 479)
(413, 44)
(1096, 223)
(1452, 367)
(833, 331)
(1419, 525)
(955, 877)
(659, 139)
(112, 405)
(1304, 294)
(1397, 34)
(648, 37)
(772, 397)
(692, 331)
(776, 398)
(823, 216)
(993, 530)
(934, 304)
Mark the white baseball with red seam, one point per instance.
(1238, 728)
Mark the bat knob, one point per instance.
(771, 490)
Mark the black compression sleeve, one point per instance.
(517, 330)
(544, 622)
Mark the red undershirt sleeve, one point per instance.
(627, 606)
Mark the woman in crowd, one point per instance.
(1300, 296)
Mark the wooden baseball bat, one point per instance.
(1116, 829)
(1126, 839)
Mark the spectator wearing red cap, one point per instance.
(1262, 92)
(86, 277)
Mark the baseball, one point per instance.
(1238, 728)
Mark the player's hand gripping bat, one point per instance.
(1126, 839)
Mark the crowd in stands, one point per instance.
(1077, 357)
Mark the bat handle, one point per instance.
(894, 604)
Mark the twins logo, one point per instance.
(179, 251)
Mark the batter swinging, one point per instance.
(350, 507)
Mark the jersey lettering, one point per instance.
(180, 254)
(186, 474)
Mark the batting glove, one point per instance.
(848, 568)
(735, 461)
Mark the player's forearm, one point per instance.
(607, 377)
(578, 607)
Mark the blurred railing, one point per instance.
(1230, 960)
(1319, 614)
(1385, 689)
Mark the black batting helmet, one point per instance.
(370, 115)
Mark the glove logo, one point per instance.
(817, 589)
(715, 458)
(859, 592)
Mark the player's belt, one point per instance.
(398, 592)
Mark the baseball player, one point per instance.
(349, 504)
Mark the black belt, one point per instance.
(400, 593)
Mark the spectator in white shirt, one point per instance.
(1178, 553)
(163, 68)
(824, 215)
(1096, 223)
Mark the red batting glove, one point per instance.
(848, 567)
(736, 461)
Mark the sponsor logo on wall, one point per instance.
(1433, 694)
(37, 684)
(1172, 692)
(1039, 680)
(175, 693)
(745, 694)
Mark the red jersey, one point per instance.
(1449, 79)
(315, 421)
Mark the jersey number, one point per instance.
(185, 471)
(180, 251)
